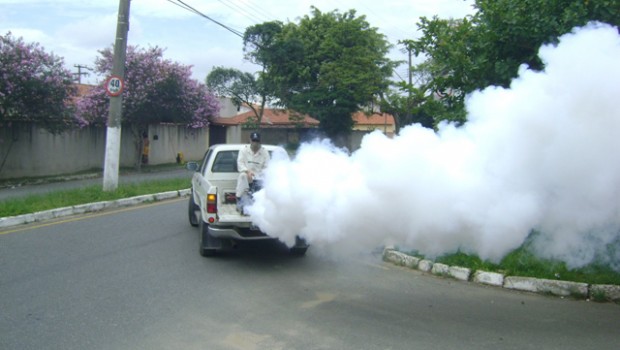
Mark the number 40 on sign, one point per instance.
(114, 85)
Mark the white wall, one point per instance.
(228, 109)
(30, 151)
(174, 139)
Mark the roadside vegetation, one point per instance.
(523, 262)
(90, 194)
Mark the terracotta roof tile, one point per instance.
(271, 118)
(362, 118)
(83, 89)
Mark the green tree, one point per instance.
(513, 31)
(409, 105)
(327, 65)
(241, 87)
(488, 47)
(35, 87)
(417, 102)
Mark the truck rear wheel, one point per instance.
(300, 247)
(191, 211)
(206, 241)
(298, 251)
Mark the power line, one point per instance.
(260, 11)
(185, 6)
(381, 18)
(239, 9)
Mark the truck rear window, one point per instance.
(225, 162)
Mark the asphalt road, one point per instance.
(133, 279)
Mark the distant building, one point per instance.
(281, 126)
(383, 122)
(83, 89)
(272, 118)
(278, 126)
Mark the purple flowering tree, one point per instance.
(34, 86)
(155, 91)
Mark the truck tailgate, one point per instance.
(228, 214)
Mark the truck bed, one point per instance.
(228, 214)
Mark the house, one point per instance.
(229, 109)
(383, 122)
(278, 126)
(83, 89)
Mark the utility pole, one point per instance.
(409, 70)
(80, 73)
(409, 106)
(115, 88)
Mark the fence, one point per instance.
(27, 150)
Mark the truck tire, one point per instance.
(300, 247)
(206, 241)
(298, 251)
(191, 211)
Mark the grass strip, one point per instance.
(522, 262)
(90, 194)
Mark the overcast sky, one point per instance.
(77, 29)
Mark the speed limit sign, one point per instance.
(114, 85)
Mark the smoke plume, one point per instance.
(541, 155)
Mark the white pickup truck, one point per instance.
(212, 204)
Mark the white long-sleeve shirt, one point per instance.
(254, 162)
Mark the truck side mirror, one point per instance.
(192, 166)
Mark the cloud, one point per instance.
(29, 34)
(91, 32)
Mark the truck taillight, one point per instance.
(211, 203)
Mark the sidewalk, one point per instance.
(23, 188)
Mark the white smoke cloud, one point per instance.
(543, 154)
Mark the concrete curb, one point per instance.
(11, 221)
(596, 292)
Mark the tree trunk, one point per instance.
(137, 133)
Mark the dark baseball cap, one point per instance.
(255, 136)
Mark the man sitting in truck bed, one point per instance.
(251, 161)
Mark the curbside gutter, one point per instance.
(10, 221)
(596, 292)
